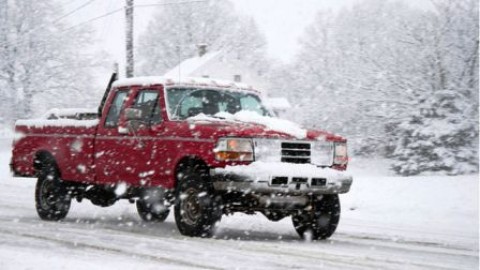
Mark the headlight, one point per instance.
(340, 155)
(322, 153)
(234, 149)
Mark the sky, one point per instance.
(282, 21)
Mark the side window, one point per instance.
(201, 101)
(251, 103)
(115, 108)
(191, 106)
(147, 102)
(230, 104)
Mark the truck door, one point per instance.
(108, 156)
(147, 147)
(134, 154)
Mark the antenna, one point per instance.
(179, 51)
(113, 78)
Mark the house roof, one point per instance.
(187, 67)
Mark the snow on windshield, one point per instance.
(221, 105)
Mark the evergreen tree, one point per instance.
(438, 137)
(441, 134)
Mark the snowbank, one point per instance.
(434, 209)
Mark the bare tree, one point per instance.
(40, 55)
(397, 81)
(175, 30)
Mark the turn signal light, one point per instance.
(234, 149)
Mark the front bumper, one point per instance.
(281, 178)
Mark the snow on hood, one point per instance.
(271, 123)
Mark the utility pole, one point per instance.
(129, 67)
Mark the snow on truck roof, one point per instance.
(185, 82)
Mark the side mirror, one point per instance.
(132, 114)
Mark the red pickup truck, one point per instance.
(206, 147)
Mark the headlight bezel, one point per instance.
(230, 149)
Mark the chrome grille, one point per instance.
(319, 153)
(296, 152)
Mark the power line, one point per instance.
(170, 3)
(53, 22)
(135, 6)
(94, 19)
(74, 11)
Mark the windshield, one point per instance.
(187, 102)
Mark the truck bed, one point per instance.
(67, 135)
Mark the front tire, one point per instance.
(321, 221)
(197, 209)
(52, 200)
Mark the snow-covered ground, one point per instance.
(387, 223)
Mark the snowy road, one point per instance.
(397, 230)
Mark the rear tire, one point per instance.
(321, 221)
(197, 209)
(152, 212)
(52, 200)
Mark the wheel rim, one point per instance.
(323, 214)
(191, 208)
(47, 195)
(323, 220)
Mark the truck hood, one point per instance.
(254, 125)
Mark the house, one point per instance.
(218, 65)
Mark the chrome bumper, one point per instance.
(290, 185)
